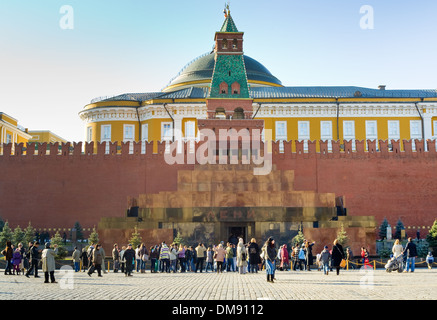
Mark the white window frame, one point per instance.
(8, 138)
(167, 138)
(89, 134)
(325, 136)
(281, 137)
(144, 137)
(372, 135)
(303, 133)
(129, 139)
(416, 124)
(104, 137)
(190, 134)
(371, 130)
(145, 132)
(349, 135)
(393, 134)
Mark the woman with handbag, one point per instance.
(337, 256)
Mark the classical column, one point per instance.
(178, 132)
(427, 128)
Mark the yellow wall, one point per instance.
(360, 127)
(8, 119)
(45, 136)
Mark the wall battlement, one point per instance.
(290, 150)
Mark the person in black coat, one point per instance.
(410, 252)
(337, 255)
(84, 258)
(34, 258)
(254, 258)
(309, 255)
(129, 257)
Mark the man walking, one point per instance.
(411, 252)
(129, 257)
(76, 259)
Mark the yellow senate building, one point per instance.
(11, 131)
(291, 113)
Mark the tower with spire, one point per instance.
(228, 96)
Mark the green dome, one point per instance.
(199, 72)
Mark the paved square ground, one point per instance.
(289, 285)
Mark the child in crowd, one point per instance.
(325, 258)
(429, 260)
(16, 261)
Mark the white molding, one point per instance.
(346, 110)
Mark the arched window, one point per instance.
(224, 44)
(220, 113)
(235, 87)
(238, 113)
(235, 44)
(224, 88)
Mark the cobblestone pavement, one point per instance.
(290, 285)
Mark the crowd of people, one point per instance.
(235, 256)
(225, 257)
(24, 261)
(409, 255)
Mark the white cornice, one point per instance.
(316, 110)
(145, 113)
(268, 110)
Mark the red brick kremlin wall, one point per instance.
(56, 190)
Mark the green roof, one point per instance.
(229, 24)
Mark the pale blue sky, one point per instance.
(47, 74)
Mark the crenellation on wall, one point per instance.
(19, 149)
(65, 149)
(77, 149)
(393, 148)
(30, 149)
(89, 148)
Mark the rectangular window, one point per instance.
(415, 132)
(128, 132)
(145, 132)
(190, 131)
(349, 132)
(281, 134)
(144, 137)
(8, 138)
(281, 130)
(326, 133)
(105, 136)
(415, 129)
(167, 134)
(129, 136)
(106, 133)
(303, 132)
(89, 134)
(371, 130)
(166, 131)
(393, 130)
(190, 135)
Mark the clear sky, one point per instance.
(48, 74)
